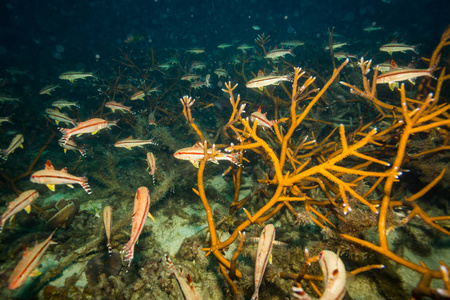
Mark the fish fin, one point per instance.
(25, 251)
(195, 163)
(94, 132)
(129, 148)
(150, 215)
(270, 258)
(261, 88)
(51, 187)
(260, 73)
(412, 80)
(35, 273)
(48, 165)
(28, 209)
(393, 85)
(85, 185)
(148, 168)
(57, 122)
(113, 110)
(65, 150)
(64, 170)
(69, 185)
(21, 146)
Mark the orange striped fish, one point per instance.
(275, 53)
(58, 116)
(261, 81)
(334, 278)
(263, 255)
(129, 142)
(71, 145)
(22, 202)
(50, 177)
(15, 143)
(196, 153)
(113, 105)
(140, 213)
(185, 287)
(261, 118)
(394, 76)
(89, 126)
(139, 95)
(28, 263)
(151, 165)
(107, 221)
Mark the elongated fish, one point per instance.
(50, 177)
(398, 47)
(28, 263)
(48, 89)
(16, 142)
(334, 278)
(263, 253)
(196, 153)
(22, 202)
(151, 165)
(129, 143)
(261, 81)
(113, 105)
(74, 75)
(107, 221)
(184, 284)
(334, 275)
(58, 116)
(261, 118)
(279, 53)
(71, 145)
(395, 76)
(140, 212)
(89, 126)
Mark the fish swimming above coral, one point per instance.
(50, 177)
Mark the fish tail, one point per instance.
(85, 185)
(82, 151)
(169, 265)
(234, 158)
(3, 154)
(207, 80)
(129, 254)
(291, 52)
(255, 295)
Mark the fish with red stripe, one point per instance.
(334, 278)
(28, 263)
(22, 202)
(184, 284)
(50, 177)
(89, 126)
(263, 255)
(261, 119)
(196, 153)
(140, 213)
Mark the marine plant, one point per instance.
(375, 153)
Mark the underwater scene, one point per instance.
(224, 149)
